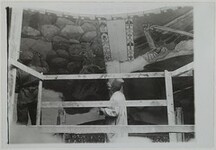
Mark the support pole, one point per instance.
(180, 121)
(61, 120)
(170, 104)
(14, 44)
(39, 103)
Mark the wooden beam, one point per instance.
(88, 76)
(39, 103)
(188, 74)
(25, 68)
(115, 128)
(170, 104)
(105, 76)
(146, 103)
(131, 103)
(172, 30)
(182, 70)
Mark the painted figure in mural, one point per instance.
(27, 87)
(156, 53)
(116, 114)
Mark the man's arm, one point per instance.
(110, 112)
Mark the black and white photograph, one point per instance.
(102, 77)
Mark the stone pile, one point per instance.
(67, 44)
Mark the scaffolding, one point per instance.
(172, 128)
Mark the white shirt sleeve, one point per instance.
(110, 112)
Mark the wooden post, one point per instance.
(38, 120)
(126, 118)
(61, 120)
(180, 121)
(170, 104)
(14, 45)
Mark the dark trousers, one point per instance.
(23, 110)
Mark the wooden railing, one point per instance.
(171, 128)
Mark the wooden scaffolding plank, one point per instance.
(131, 103)
(25, 68)
(182, 69)
(170, 104)
(115, 128)
(105, 76)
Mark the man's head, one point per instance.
(116, 84)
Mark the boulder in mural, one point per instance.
(59, 62)
(49, 31)
(59, 39)
(63, 53)
(36, 19)
(62, 22)
(88, 36)
(74, 67)
(39, 46)
(72, 32)
(50, 55)
(75, 50)
(29, 31)
(73, 41)
(88, 27)
(47, 19)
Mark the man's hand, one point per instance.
(101, 111)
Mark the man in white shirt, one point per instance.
(116, 114)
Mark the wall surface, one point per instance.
(73, 45)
